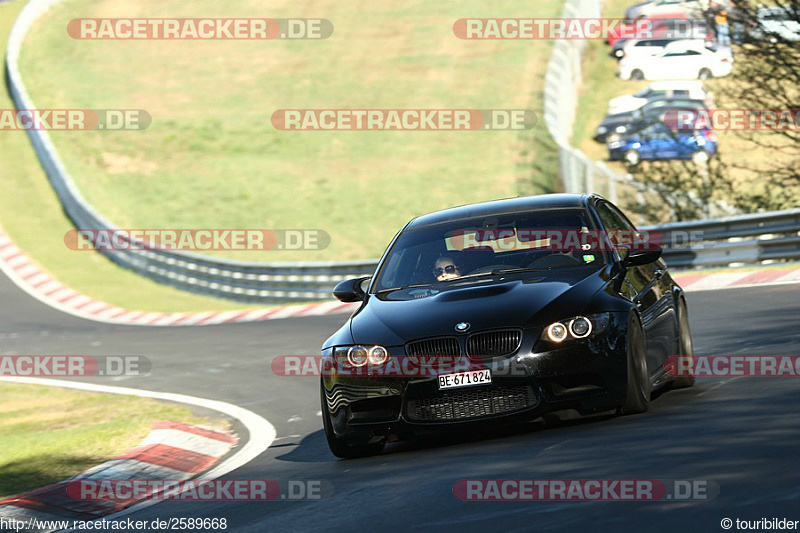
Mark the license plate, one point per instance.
(465, 379)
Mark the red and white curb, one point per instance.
(31, 278)
(734, 279)
(172, 451)
(260, 433)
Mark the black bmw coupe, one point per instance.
(502, 312)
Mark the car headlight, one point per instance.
(620, 129)
(377, 355)
(579, 327)
(557, 332)
(359, 355)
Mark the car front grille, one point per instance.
(438, 346)
(494, 343)
(474, 402)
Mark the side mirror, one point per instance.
(640, 257)
(351, 290)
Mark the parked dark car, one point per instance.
(614, 127)
(514, 324)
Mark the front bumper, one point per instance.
(588, 375)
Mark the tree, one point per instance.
(766, 76)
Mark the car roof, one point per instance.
(499, 207)
(685, 44)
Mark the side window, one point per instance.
(619, 228)
(649, 131)
(661, 132)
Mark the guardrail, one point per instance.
(732, 241)
(282, 282)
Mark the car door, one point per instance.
(688, 143)
(695, 61)
(646, 142)
(665, 143)
(646, 287)
(670, 66)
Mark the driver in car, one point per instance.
(445, 268)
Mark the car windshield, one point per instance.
(487, 246)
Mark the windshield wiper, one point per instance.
(392, 289)
(515, 270)
(495, 272)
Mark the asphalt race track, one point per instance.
(741, 433)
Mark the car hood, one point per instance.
(524, 302)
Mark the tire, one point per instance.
(685, 345)
(632, 157)
(700, 157)
(705, 74)
(338, 445)
(637, 395)
(637, 74)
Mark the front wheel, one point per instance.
(637, 395)
(338, 445)
(637, 75)
(705, 74)
(632, 157)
